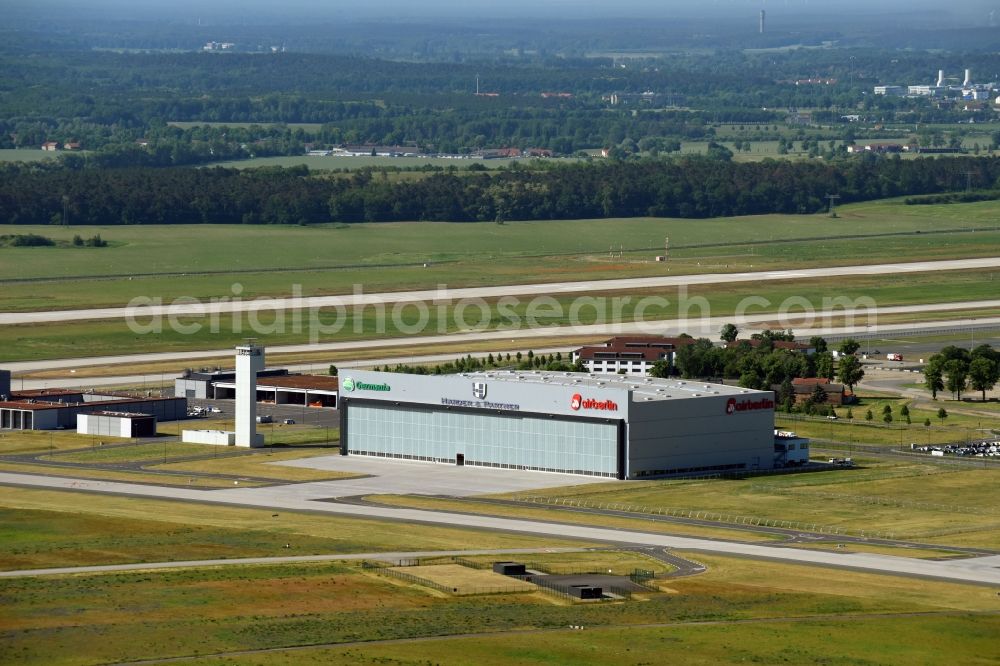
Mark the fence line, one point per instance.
(394, 572)
(710, 516)
(874, 499)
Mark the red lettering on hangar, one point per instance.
(578, 402)
(733, 406)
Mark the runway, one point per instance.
(186, 308)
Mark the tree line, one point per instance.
(686, 187)
(957, 369)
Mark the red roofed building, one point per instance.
(633, 355)
(804, 387)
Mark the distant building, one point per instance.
(925, 91)
(275, 386)
(876, 147)
(633, 355)
(51, 146)
(804, 387)
(891, 91)
(366, 150)
(500, 153)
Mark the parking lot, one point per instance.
(982, 449)
(320, 417)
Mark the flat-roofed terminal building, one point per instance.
(598, 425)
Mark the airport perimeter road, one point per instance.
(155, 380)
(293, 559)
(980, 570)
(542, 289)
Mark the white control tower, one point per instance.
(249, 361)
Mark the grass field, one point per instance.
(146, 462)
(26, 155)
(875, 640)
(189, 248)
(320, 163)
(61, 528)
(911, 501)
(956, 427)
(755, 611)
(531, 512)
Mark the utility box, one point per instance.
(586, 591)
(509, 568)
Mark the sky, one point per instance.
(437, 9)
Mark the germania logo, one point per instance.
(350, 385)
(732, 406)
(578, 402)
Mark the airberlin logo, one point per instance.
(578, 402)
(748, 405)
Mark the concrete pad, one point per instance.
(414, 477)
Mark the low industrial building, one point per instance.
(203, 385)
(51, 409)
(613, 426)
(274, 386)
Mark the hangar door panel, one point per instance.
(485, 439)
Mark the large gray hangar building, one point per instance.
(598, 425)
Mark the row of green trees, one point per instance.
(956, 369)
(530, 361)
(687, 186)
(758, 363)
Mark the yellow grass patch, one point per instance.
(465, 580)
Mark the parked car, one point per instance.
(289, 421)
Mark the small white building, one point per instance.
(217, 437)
(116, 424)
(790, 450)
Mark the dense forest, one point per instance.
(110, 102)
(688, 187)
